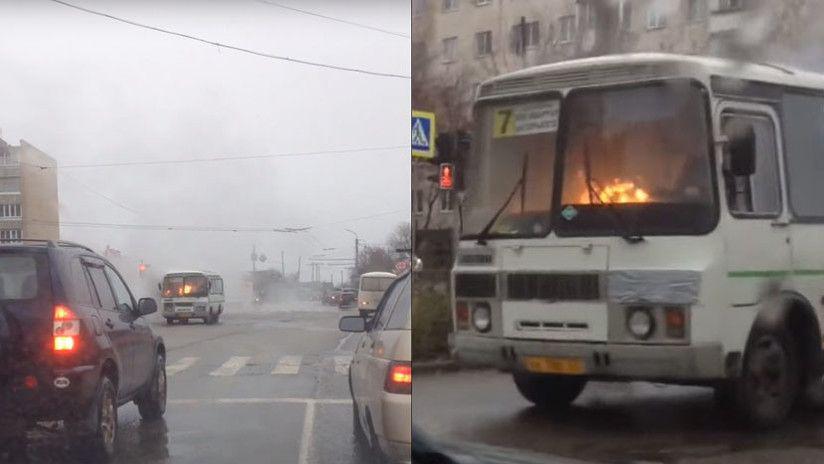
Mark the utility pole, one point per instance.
(356, 246)
(299, 257)
(282, 265)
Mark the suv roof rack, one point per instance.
(48, 243)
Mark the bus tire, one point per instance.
(170, 320)
(549, 392)
(770, 379)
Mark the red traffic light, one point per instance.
(141, 267)
(446, 179)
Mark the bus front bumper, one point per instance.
(668, 363)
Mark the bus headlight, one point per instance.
(640, 322)
(482, 317)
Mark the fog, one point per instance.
(89, 90)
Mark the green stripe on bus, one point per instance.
(769, 273)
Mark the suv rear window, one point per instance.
(19, 276)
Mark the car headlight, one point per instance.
(640, 322)
(482, 317)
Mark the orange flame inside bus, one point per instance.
(617, 192)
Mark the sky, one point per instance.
(87, 89)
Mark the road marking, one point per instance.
(196, 401)
(287, 365)
(342, 342)
(180, 365)
(306, 437)
(342, 364)
(230, 367)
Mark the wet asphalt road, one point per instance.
(609, 422)
(264, 387)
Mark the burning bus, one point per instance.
(646, 216)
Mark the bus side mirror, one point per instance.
(740, 152)
(159, 288)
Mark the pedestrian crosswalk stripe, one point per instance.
(230, 367)
(342, 364)
(287, 365)
(180, 365)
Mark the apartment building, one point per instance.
(28, 193)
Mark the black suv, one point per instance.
(73, 347)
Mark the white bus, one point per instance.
(370, 290)
(192, 295)
(646, 216)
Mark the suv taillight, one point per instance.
(66, 330)
(399, 378)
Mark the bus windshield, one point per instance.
(184, 286)
(375, 284)
(513, 169)
(636, 158)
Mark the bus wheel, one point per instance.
(550, 392)
(170, 320)
(770, 379)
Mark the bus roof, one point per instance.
(378, 274)
(635, 66)
(210, 273)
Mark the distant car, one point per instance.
(380, 376)
(348, 297)
(74, 346)
(332, 298)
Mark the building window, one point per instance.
(10, 185)
(419, 201)
(625, 15)
(12, 211)
(656, 19)
(730, 5)
(447, 201)
(450, 5)
(6, 159)
(450, 45)
(696, 10)
(566, 28)
(482, 2)
(483, 43)
(524, 36)
(8, 235)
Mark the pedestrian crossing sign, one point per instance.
(423, 134)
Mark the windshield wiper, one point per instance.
(618, 218)
(481, 240)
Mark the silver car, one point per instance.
(380, 376)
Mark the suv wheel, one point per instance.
(152, 404)
(98, 446)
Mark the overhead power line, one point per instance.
(232, 47)
(76, 181)
(197, 228)
(219, 158)
(344, 21)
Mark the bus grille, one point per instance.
(553, 287)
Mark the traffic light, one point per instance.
(446, 178)
(141, 268)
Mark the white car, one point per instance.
(380, 376)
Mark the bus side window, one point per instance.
(759, 193)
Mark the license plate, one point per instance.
(183, 309)
(547, 365)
